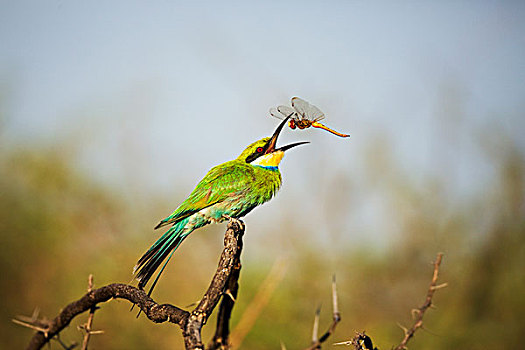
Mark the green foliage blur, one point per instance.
(58, 225)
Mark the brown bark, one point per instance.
(223, 285)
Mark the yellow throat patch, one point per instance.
(269, 160)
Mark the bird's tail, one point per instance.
(163, 248)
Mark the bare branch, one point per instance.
(336, 318)
(419, 312)
(228, 262)
(222, 332)
(335, 305)
(155, 312)
(190, 323)
(87, 326)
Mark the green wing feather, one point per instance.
(219, 183)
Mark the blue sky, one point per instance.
(155, 93)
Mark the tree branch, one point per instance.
(222, 332)
(155, 312)
(336, 318)
(419, 312)
(229, 261)
(87, 326)
(190, 323)
(363, 342)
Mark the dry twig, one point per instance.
(40, 325)
(87, 326)
(336, 318)
(419, 312)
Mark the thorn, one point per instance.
(32, 319)
(405, 330)
(35, 314)
(348, 342)
(282, 346)
(315, 330)
(439, 286)
(229, 293)
(83, 327)
(415, 312)
(90, 283)
(29, 325)
(335, 306)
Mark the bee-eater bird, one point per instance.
(229, 190)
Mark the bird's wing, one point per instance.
(221, 182)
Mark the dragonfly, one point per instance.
(302, 115)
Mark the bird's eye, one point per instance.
(259, 149)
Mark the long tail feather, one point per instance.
(163, 248)
(156, 279)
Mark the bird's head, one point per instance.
(264, 153)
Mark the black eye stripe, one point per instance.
(259, 151)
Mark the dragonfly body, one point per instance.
(229, 190)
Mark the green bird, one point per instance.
(230, 190)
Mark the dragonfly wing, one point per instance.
(275, 113)
(307, 110)
(287, 111)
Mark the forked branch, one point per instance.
(190, 322)
(363, 342)
(336, 318)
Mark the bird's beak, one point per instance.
(284, 148)
(273, 140)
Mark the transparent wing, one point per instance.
(307, 110)
(287, 111)
(275, 113)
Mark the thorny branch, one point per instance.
(419, 312)
(336, 318)
(363, 342)
(190, 322)
(223, 285)
(87, 327)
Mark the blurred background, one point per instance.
(110, 113)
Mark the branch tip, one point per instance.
(418, 313)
